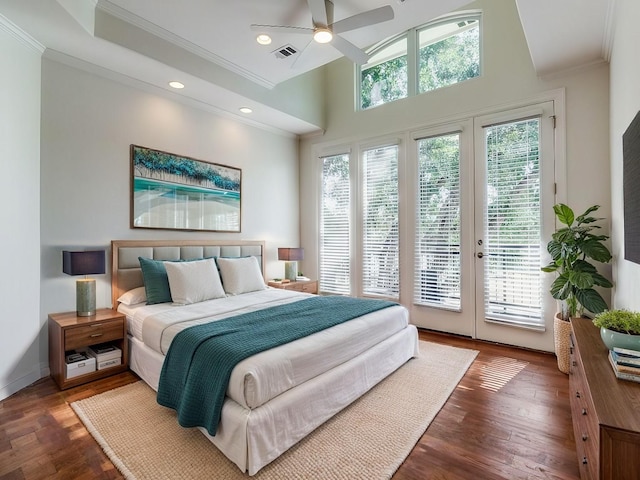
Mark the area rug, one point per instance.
(367, 440)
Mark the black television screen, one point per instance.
(631, 186)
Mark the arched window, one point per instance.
(440, 53)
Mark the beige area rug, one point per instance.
(367, 440)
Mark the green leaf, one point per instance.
(582, 219)
(555, 249)
(581, 280)
(552, 267)
(560, 288)
(591, 300)
(596, 250)
(564, 213)
(601, 281)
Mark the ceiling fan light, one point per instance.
(263, 39)
(322, 35)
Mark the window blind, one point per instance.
(380, 249)
(437, 267)
(512, 222)
(335, 252)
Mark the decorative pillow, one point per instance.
(156, 283)
(137, 295)
(240, 275)
(192, 282)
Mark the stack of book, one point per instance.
(625, 363)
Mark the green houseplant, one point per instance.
(619, 328)
(572, 248)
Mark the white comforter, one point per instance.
(262, 377)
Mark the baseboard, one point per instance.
(40, 371)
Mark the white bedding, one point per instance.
(259, 378)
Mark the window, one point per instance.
(437, 255)
(380, 256)
(449, 53)
(334, 226)
(384, 77)
(441, 53)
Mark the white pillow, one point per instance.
(192, 282)
(240, 275)
(137, 295)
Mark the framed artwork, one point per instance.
(170, 191)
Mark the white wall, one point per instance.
(21, 361)
(625, 103)
(88, 124)
(508, 78)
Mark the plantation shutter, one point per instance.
(437, 269)
(380, 250)
(512, 223)
(334, 226)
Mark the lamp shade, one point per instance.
(83, 263)
(290, 254)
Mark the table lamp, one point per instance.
(84, 263)
(291, 257)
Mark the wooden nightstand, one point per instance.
(69, 332)
(307, 286)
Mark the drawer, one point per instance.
(308, 287)
(98, 332)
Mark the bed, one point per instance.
(276, 397)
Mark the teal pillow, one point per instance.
(156, 281)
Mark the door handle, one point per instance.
(480, 254)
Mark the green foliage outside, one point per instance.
(448, 61)
(195, 171)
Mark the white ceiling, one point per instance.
(145, 38)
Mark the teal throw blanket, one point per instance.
(198, 365)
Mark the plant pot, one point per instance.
(622, 340)
(562, 342)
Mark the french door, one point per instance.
(514, 195)
(484, 200)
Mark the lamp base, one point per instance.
(86, 297)
(291, 270)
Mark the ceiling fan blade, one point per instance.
(364, 19)
(318, 12)
(349, 50)
(280, 29)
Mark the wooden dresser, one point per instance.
(605, 410)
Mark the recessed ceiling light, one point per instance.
(175, 84)
(245, 110)
(322, 35)
(263, 39)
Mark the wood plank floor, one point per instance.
(509, 418)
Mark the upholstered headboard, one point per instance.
(125, 267)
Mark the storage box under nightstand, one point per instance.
(80, 367)
(105, 355)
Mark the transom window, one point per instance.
(440, 53)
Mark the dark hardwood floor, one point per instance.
(509, 418)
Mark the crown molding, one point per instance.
(20, 35)
(110, 9)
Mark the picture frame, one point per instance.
(176, 192)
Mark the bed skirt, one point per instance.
(251, 438)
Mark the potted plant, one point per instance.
(572, 247)
(619, 328)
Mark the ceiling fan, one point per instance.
(326, 31)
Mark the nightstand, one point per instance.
(68, 332)
(306, 286)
